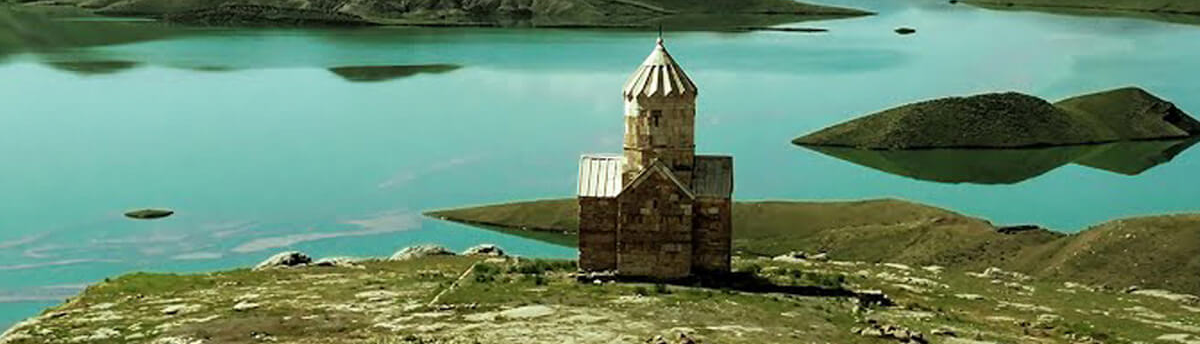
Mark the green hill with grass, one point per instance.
(1151, 252)
(1012, 120)
(540, 13)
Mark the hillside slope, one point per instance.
(1012, 120)
(1152, 252)
(1149, 6)
(544, 13)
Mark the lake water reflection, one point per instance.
(261, 148)
(1011, 166)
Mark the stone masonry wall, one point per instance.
(713, 236)
(660, 128)
(597, 234)
(655, 230)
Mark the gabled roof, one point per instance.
(659, 76)
(713, 176)
(658, 167)
(600, 175)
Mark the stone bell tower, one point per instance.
(660, 115)
(659, 211)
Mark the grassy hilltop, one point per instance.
(1154, 252)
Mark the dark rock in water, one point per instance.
(93, 67)
(906, 31)
(1011, 120)
(385, 73)
(149, 214)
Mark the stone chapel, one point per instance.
(658, 210)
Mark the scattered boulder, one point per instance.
(418, 251)
(484, 250)
(1048, 320)
(180, 309)
(683, 338)
(1169, 295)
(792, 257)
(894, 332)
(180, 340)
(284, 260)
(339, 262)
(868, 298)
(997, 273)
(972, 297)
(527, 312)
(245, 306)
(945, 332)
(1184, 338)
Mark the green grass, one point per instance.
(540, 301)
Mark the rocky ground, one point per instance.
(429, 295)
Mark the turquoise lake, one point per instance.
(261, 148)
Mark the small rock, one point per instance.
(179, 340)
(338, 262)
(1048, 320)
(484, 250)
(419, 251)
(944, 332)
(180, 309)
(868, 298)
(972, 297)
(527, 312)
(284, 260)
(245, 306)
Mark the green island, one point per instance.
(675, 14)
(881, 271)
(1013, 120)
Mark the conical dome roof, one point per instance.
(659, 76)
